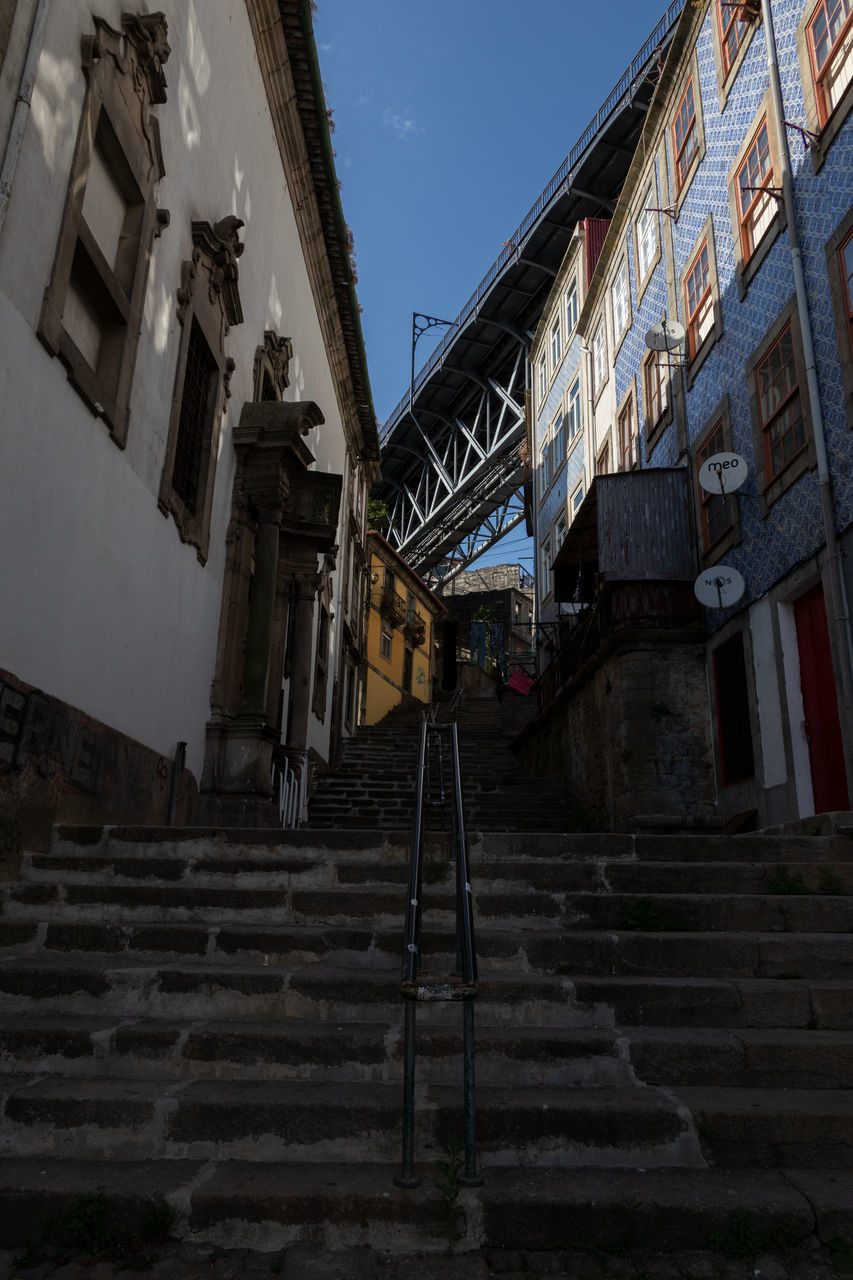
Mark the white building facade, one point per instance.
(189, 434)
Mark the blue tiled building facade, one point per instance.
(700, 243)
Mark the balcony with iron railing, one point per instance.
(393, 607)
(415, 628)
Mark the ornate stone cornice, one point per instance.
(288, 63)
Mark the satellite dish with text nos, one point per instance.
(723, 473)
(719, 587)
(668, 335)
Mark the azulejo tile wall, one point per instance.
(792, 529)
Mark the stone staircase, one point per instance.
(373, 783)
(210, 1020)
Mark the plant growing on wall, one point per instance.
(377, 516)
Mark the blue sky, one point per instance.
(450, 118)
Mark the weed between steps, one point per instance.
(448, 1186)
(743, 1240)
(85, 1227)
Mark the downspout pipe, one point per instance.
(22, 107)
(839, 610)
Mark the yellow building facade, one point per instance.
(401, 632)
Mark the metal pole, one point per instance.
(407, 1177)
(470, 1178)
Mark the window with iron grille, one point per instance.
(718, 509)
(830, 38)
(685, 135)
(783, 430)
(197, 405)
(699, 301)
(756, 204)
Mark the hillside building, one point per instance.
(732, 237)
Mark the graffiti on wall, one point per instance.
(36, 730)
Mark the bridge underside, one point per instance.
(452, 469)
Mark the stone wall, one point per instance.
(629, 736)
(59, 765)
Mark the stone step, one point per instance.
(748, 1057)
(271, 1120)
(125, 1048)
(362, 944)
(773, 1128)
(602, 1212)
(88, 985)
(197, 844)
(320, 1051)
(818, 1004)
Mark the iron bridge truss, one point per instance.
(453, 477)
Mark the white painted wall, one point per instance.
(104, 606)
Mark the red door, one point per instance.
(820, 704)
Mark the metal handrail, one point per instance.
(460, 986)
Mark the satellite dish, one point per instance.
(723, 473)
(719, 587)
(668, 335)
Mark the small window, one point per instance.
(845, 264)
(619, 299)
(208, 304)
(733, 26)
(830, 38)
(685, 135)
(543, 381)
(718, 510)
(756, 203)
(629, 453)
(558, 442)
(699, 301)
(602, 462)
(546, 567)
(647, 235)
(656, 386)
(780, 411)
(574, 410)
(599, 357)
(545, 465)
(560, 531)
(385, 640)
(556, 344)
(577, 496)
(571, 309)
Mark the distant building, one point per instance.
(188, 434)
(402, 639)
(503, 595)
(747, 356)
